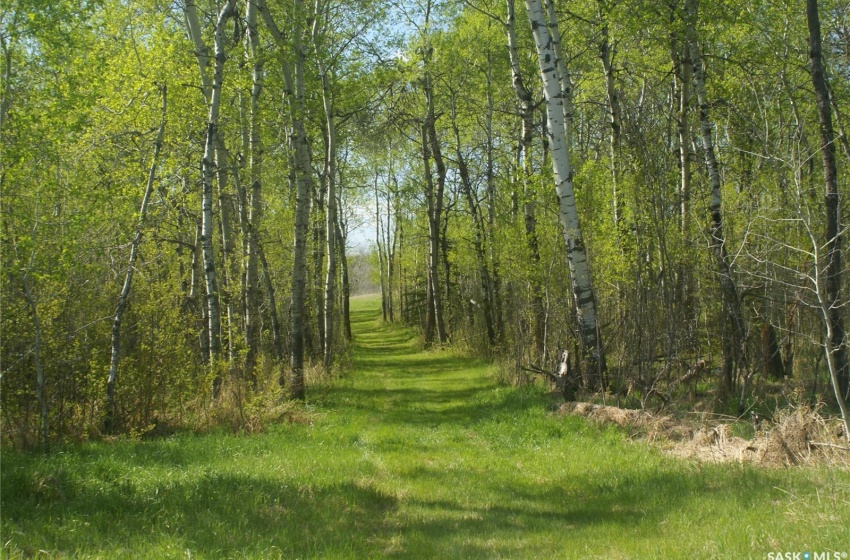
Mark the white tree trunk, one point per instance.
(252, 289)
(562, 72)
(213, 92)
(330, 191)
(557, 111)
(202, 52)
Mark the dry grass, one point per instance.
(797, 436)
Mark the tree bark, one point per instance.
(229, 263)
(213, 90)
(526, 104)
(614, 114)
(380, 245)
(346, 286)
(558, 110)
(294, 84)
(434, 197)
(252, 289)
(684, 74)
(330, 220)
(495, 278)
(277, 339)
(390, 238)
(733, 329)
(123, 297)
(330, 191)
(833, 271)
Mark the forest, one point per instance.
(640, 200)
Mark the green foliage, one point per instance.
(81, 110)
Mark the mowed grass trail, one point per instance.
(412, 455)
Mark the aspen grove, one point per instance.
(646, 197)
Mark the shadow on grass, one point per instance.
(425, 407)
(472, 515)
(216, 515)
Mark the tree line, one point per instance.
(646, 195)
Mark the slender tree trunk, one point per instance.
(230, 264)
(833, 272)
(433, 247)
(558, 101)
(684, 73)
(330, 192)
(495, 279)
(252, 289)
(562, 72)
(302, 218)
(346, 286)
(330, 221)
(733, 330)
(277, 339)
(389, 243)
(213, 90)
(683, 76)
(478, 240)
(294, 84)
(434, 194)
(526, 104)
(614, 115)
(109, 421)
(380, 245)
(434, 227)
(315, 296)
(202, 52)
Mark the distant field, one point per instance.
(412, 455)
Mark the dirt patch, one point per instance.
(798, 436)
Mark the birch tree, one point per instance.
(733, 329)
(558, 108)
(329, 174)
(295, 97)
(212, 91)
(434, 192)
(252, 288)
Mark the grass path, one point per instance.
(412, 455)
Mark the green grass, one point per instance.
(412, 455)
